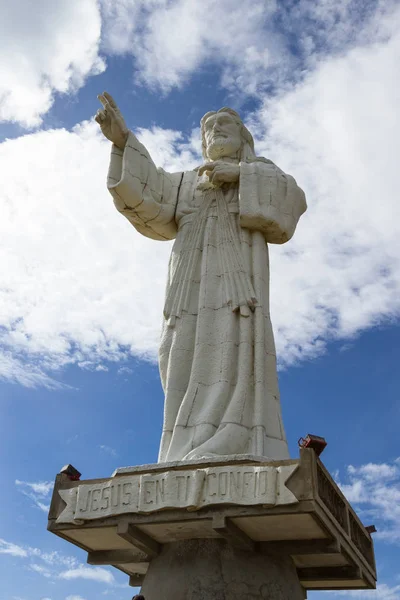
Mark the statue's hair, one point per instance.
(247, 150)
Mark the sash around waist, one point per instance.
(212, 212)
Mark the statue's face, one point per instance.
(222, 136)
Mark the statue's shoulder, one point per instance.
(189, 180)
(260, 159)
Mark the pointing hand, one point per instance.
(111, 121)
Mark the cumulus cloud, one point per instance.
(171, 149)
(73, 263)
(375, 490)
(93, 573)
(170, 40)
(55, 47)
(338, 133)
(273, 45)
(47, 48)
(330, 27)
(83, 287)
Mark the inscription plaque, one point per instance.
(191, 489)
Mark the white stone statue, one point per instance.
(217, 354)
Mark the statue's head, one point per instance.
(224, 135)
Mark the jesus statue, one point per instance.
(217, 354)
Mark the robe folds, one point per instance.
(217, 353)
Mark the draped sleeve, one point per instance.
(270, 201)
(146, 195)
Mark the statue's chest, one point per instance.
(191, 198)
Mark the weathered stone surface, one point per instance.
(213, 570)
(201, 462)
(246, 485)
(329, 546)
(217, 352)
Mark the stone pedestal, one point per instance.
(209, 529)
(215, 570)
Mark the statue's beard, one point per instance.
(223, 147)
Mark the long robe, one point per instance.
(217, 354)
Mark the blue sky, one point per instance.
(81, 293)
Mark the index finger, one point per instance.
(110, 99)
(103, 100)
(207, 167)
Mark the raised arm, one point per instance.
(145, 195)
(111, 121)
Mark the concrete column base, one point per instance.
(214, 570)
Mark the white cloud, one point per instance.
(125, 371)
(79, 284)
(13, 549)
(332, 26)
(55, 47)
(92, 366)
(74, 597)
(47, 47)
(93, 573)
(170, 149)
(53, 564)
(383, 592)
(338, 133)
(171, 40)
(375, 472)
(121, 20)
(375, 490)
(37, 492)
(73, 263)
(14, 369)
(53, 560)
(43, 507)
(108, 450)
(254, 43)
(41, 570)
(41, 488)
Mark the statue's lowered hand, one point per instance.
(111, 121)
(220, 172)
